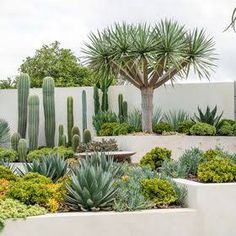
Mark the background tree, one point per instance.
(149, 56)
(59, 63)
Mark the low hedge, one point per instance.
(202, 129)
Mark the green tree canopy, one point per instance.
(59, 63)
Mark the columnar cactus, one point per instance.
(15, 140)
(33, 122)
(84, 110)
(49, 110)
(125, 111)
(62, 140)
(22, 150)
(61, 132)
(87, 136)
(75, 142)
(96, 100)
(23, 86)
(70, 118)
(120, 106)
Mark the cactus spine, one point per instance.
(33, 122)
(87, 136)
(75, 142)
(15, 141)
(84, 110)
(49, 110)
(70, 118)
(22, 150)
(23, 86)
(96, 100)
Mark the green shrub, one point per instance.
(107, 129)
(185, 126)
(155, 157)
(130, 197)
(123, 129)
(8, 155)
(160, 127)
(226, 121)
(225, 130)
(135, 120)
(217, 171)
(36, 178)
(40, 153)
(214, 154)
(190, 160)
(6, 173)
(234, 129)
(13, 209)
(158, 191)
(203, 129)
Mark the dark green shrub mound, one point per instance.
(226, 121)
(185, 126)
(6, 173)
(107, 129)
(111, 129)
(123, 129)
(155, 158)
(60, 151)
(160, 127)
(158, 191)
(225, 130)
(217, 171)
(202, 129)
(234, 129)
(8, 155)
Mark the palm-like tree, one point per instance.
(233, 21)
(149, 56)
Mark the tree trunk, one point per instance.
(147, 109)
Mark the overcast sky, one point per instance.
(27, 24)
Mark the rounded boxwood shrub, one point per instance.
(6, 173)
(225, 130)
(185, 126)
(123, 129)
(214, 154)
(155, 157)
(160, 127)
(66, 152)
(217, 171)
(107, 129)
(8, 155)
(234, 129)
(202, 129)
(158, 191)
(226, 121)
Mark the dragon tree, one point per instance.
(148, 56)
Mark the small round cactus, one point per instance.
(75, 142)
(87, 136)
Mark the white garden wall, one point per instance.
(185, 96)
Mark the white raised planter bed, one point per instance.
(141, 144)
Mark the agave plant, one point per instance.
(209, 116)
(52, 166)
(175, 117)
(157, 115)
(4, 133)
(135, 119)
(92, 186)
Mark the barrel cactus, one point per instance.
(33, 122)
(87, 136)
(22, 150)
(75, 130)
(23, 87)
(49, 110)
(75, 142)
(70, 118)
(15, 138)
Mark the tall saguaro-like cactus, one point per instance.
(96, 100)
(23, 86)
(33, 122)
(84, 110)
(49, 110)
(123, 109)
(70, 117)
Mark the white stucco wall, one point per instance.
(185, 96)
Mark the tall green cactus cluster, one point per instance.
(104, 85)
(15, 138)
(33, 122)
(84, 110)
(23, 86)
(49, 110)
(96, 100)
(70, 117)
(123, 109)
(61, 136)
